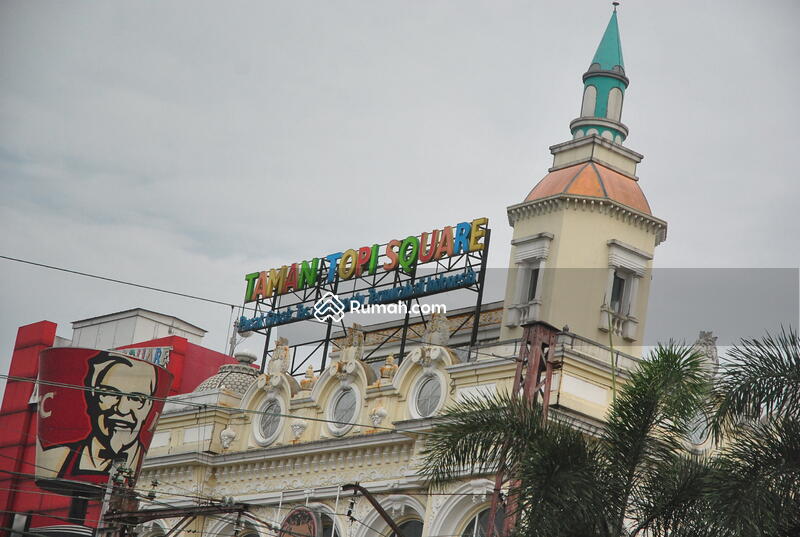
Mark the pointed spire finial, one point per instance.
(604, 87)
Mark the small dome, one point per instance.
(593, 180)
(234, 377)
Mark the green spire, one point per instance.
(604, 86)
(609, 52)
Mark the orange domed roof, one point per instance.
(592, 180)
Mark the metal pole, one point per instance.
(381, 511)
(266, 349)
(113, 472)
(325, 347)
(481, 279)
(405, 320)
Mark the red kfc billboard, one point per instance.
(96, 408)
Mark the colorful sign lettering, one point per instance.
(154, 355)
(401, 255)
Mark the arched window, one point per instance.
(614, 109)
(410, 528)
(328, 526)
(151, 529)
(479, 524)
(589, 101)
(245, 530)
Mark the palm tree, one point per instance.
(633, 477)
(754, 488)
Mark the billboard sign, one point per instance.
(369, 275)
(95, 409)
(156, 355)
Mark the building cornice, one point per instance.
(276, 452)
(596, 140)
(480, 365)
(607, 206)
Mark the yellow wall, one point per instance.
(576, 276)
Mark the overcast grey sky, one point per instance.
(183, 144)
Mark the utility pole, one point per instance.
(381, 511)
(116, 477)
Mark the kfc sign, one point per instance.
(95, 408)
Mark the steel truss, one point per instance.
(379, 281)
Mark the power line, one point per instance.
(199, 406)
(184, 295)
(122, 282)
(274, 527)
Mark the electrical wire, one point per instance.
(226, 518)
(45, 514)
(202, 406)
(205, 406)
(198, 498)
(122, 282)
(161, 290)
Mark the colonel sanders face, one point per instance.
(120, 400)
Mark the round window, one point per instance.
(270, 420)
(344, 409)
(428, 395)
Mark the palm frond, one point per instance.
(476, 433)
(762, 376)
(671, 501)
(756, 481)
(650, 418)
(559, 492)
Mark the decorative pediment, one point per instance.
(345, 371)
(430, 358)
(347, 366)
(277, 380)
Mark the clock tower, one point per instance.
(585, 235)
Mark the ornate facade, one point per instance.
(283, 443)
(583, 245)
